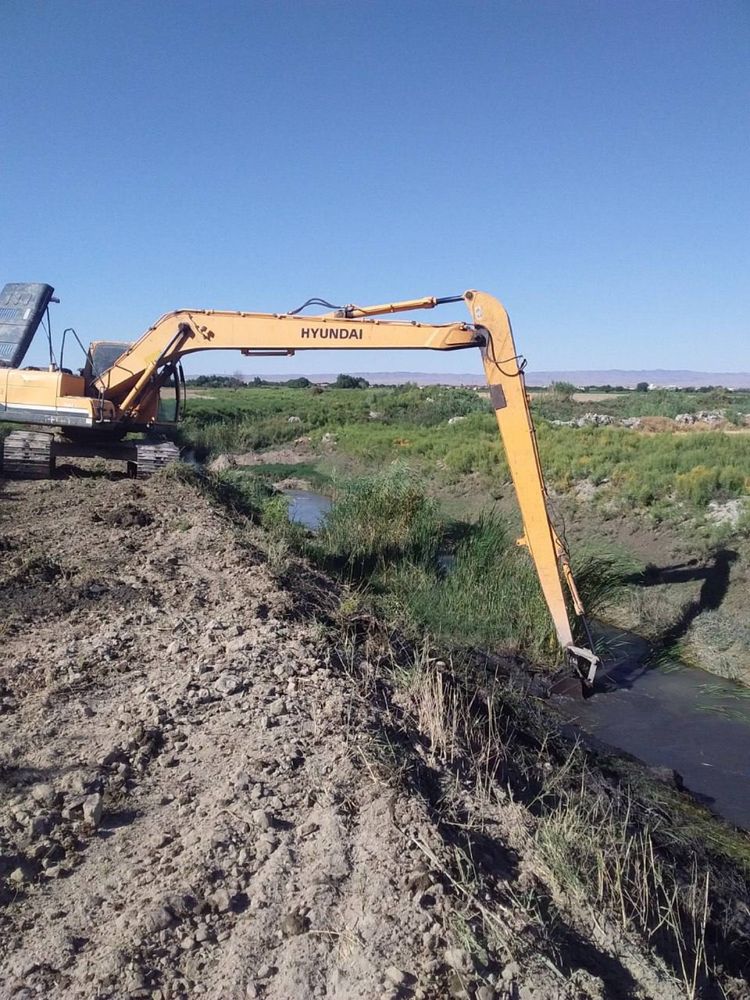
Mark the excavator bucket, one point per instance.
(22, 306)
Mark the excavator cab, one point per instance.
(22, 308)
(101, 355)
(172, 395)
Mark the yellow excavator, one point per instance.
(117, 394)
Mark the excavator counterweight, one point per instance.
(118, 392)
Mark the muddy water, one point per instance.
(667, 714)
(671, 715)
(307, 508)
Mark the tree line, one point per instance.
(237, 382)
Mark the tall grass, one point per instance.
(377, 521)
(489, 596)
(385, 530)
(598, 854)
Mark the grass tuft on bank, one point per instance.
(487, 596)
(378, 521)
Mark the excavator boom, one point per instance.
(126, 396)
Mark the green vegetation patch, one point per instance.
(668, 473)
(276, 471)
(487, 594)
(645, 470)
(379, 521)
(465, 584)
(252, 418)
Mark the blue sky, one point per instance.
(589, 163)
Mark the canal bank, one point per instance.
(672, 717)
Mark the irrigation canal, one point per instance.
(663, 712)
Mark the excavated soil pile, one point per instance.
(187, 807)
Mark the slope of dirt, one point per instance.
(188, 802)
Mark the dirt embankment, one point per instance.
(202, 795)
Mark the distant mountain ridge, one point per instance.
(661, 377)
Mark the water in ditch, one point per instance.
(307, 508)
(671, 715)
(665, 713)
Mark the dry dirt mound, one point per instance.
(186, 808)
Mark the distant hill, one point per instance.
(662, 377)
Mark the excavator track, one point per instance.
(28, 455)
(150, 457)
(32, 454)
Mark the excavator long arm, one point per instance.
(187, 331)
(132, 383)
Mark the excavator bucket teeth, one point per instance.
(585, 663)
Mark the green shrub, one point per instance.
(698, 485)
(563, 390)
(379, 519)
